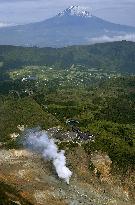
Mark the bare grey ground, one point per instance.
(36, 180)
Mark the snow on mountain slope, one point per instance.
(75, 11)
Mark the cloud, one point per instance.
(105, 38)
(4, 24)
(14, 1)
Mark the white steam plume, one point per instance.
(38, 141)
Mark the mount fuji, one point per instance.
(73, 26)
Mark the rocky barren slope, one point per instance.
(26, 178)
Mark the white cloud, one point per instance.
(105, 38)
(4, 24)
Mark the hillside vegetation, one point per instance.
(103, 104)
(116, 56)
(91, 85)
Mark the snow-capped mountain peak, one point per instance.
(75, 11)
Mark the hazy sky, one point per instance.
(25, 11)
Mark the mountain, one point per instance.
(73, 26)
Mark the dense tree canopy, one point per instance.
(119, 56)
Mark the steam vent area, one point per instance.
(53, 168)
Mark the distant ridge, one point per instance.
(115, 56)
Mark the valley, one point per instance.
(88, 108)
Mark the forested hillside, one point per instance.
(84, 98)
(91, 84)
(116, 56)
(103, 106)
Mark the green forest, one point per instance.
(101, 100)
(116, 56)
(92, 85)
